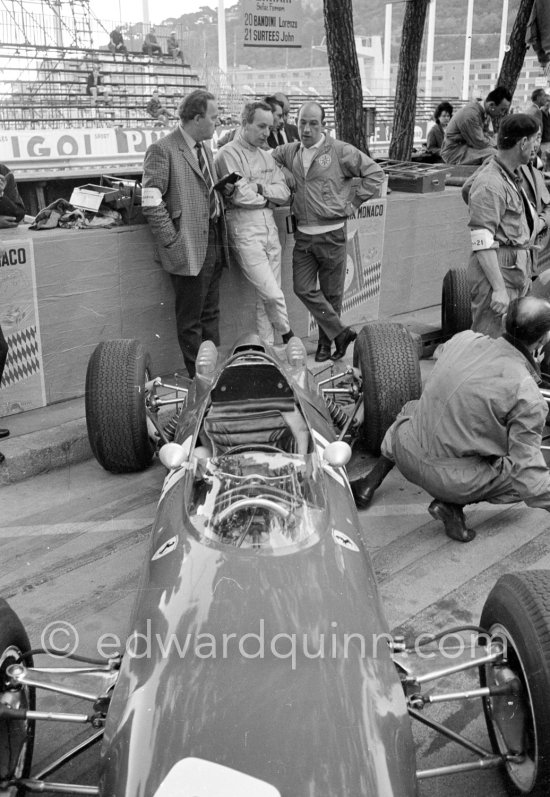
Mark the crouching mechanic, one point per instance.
(250, 222)
(475, 434)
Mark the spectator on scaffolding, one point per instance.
(151, 45)
(157, 111)
(173, 47)
(95, 87)
(116, 41)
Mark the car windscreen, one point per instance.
(260, 500)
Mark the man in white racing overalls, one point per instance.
(253, 234)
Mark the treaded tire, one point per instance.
(16, 736)
(390, 369)
(518, 608)
(456, 310)
(115, 406)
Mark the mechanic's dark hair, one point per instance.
(247, 116)
(499, 94)
(194, 104)
(271, 100)
(441, 108)
(537, 94)
(515, 127)
(527, 319)
(312, 102)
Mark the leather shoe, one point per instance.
(452, 517)
(363, 489)
(323, 353)
(4, 432)
(342, 342)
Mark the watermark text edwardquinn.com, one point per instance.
(61, 638)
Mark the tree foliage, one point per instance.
(407, 80)
(345, 77)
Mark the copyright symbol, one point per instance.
(59, 638)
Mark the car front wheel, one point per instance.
(16, 736)
(517, 616)
(116, 406)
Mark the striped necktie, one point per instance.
(208, 179)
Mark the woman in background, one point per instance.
(442, 116)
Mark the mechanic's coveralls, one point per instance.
(468, 138)
(252, 230)
(501, 220)
(475, 433)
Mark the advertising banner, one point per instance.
(272, 23)
(27, 150)
(22, 387)
(365, 246)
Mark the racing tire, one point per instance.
(456, 310)
(390, 370)
(115, 406)
(518, 612)
(16, 736)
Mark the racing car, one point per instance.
(258, 661)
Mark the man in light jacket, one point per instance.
(250, 222)
(322, 172)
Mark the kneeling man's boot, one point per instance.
(364, 489)
(452, 517)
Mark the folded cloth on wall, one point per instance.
(62, 214)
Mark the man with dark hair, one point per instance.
(251, 225)
(475, 433)
(185, 215)
(503, 226)
(116, 41)
(539, 99)
(157, 110)
(468, 137)
(275, 137)
(288, 131)
(151, 45)
(331, 179)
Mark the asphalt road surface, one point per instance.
(73, 542)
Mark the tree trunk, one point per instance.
(513, 59)
(347, 91)
(407, 80)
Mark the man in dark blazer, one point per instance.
(185, 215)
(289, 131)
(283, 132)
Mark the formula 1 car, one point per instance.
(259, 662)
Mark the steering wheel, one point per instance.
(252, 447)
(245, 503)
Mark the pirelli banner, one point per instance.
(272, 23)
(365, 247)
(22, 387)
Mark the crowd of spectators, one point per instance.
(150, 46)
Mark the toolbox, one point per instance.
(90, 197)
(415, 178)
